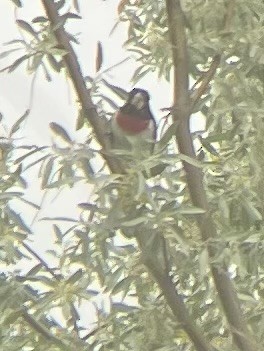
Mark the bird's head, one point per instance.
(138, 98)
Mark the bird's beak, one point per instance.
(138, 101)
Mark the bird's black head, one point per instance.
(138, 98)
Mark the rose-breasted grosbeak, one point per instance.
(133, 127)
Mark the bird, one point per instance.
(133, 126)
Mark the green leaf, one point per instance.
(203, 263)
(4, 54)
(63, 219)
(15, 41)
(18, 3)
(70, 15)
(99, 56)
(46, 72)
(35, 270)
(58, 233)
(110, 102)
(80, 120)
(166, 137)
(55, 65)
(39, 19)
(16, 64)
(123, 286)
(114, 277)
(140, 73)
(37, 207)
(253, 213)
(75, 277)
(134, 222)
(10, 195)
(190, 210)
(217, 137)
(37, 149)
(18, 123)
(27, 28)
(190, 160)
(224, 208)
(36, 162)
(36, 62)
(16, 218)
(46, 172)
(208, 146)
(123, 94)
(60, 131)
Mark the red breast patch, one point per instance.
(130, 124)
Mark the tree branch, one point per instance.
(194, 176)
(43, 330)
(98, 123)
(176, 303)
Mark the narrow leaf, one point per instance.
(54, 63)
(20, 159)
(27, 27)
(123, 94)
(9, 195)
(16, 218)
(190, 160)
(39, 19)
(47, 172)
(17, 63)
(18, 123)
(60, 131)
(122, 286)
(75, 277)
(71, 15)
(99, 56)
(18, 3)
(8, 52)
(166, 137)
(80, 120)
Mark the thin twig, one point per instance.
(205, 81)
